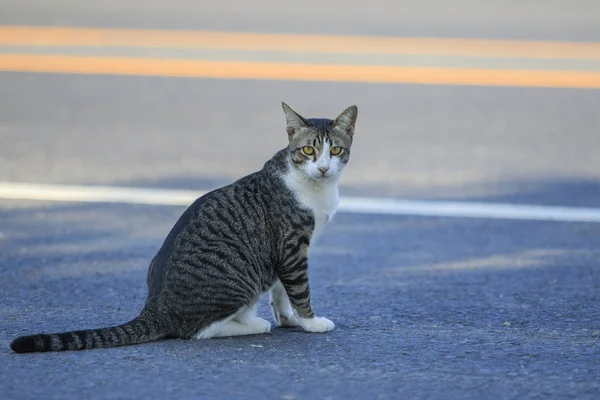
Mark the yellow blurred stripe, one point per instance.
(296, 72)
(64, 36)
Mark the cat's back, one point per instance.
(228, 222)
(239, 207)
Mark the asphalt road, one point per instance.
(511, 19)
(425, 307)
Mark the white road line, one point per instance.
(360, 205)
(468, 209)
(97, 194)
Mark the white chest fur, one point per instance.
(322, 198)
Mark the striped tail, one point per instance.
(140, 330)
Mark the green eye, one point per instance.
(309, 151)
(336, 151)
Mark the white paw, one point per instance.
(261, 325)
(316, 324)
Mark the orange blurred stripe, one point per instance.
(296, 72)
(64, 36)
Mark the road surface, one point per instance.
(425, 306)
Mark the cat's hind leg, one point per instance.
(243, 322)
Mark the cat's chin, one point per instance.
(323, 179)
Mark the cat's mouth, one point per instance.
(322, 178)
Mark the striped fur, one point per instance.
(234, 244)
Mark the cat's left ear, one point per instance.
(346, 120)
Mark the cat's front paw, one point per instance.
(316, 324)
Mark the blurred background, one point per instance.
(464, 100)
(486, 100)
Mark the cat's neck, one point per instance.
(320, 197)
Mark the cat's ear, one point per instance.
(292, 119)
(347, 119)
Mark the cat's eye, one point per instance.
(309, 151)
(336, 151)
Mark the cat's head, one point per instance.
(320, 148)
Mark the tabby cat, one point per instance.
(234, 244)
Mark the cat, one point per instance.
(234, 244)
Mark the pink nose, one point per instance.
(323, 170)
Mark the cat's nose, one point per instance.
(323, 170)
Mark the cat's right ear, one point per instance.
(293, 120)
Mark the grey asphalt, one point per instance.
(507, 19)
(425, 308)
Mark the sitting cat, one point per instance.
(234, 244)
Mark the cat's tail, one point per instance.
(145, 328)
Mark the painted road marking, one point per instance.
(97, 194)
(296, 71)
(361, 205)
(66, 36)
